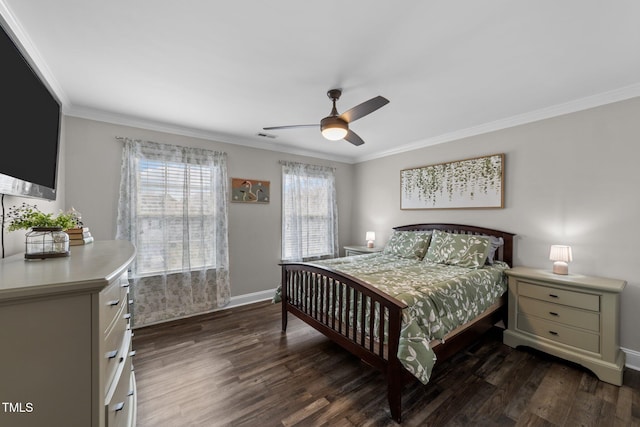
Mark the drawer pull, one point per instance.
(127, 316)
(125, 285)
(553, 296)
(130, 393)
(131, 354)
(112, 354)
(553, 313)
(553, 333)
(118, 407)
(131, 301)
(113, 302)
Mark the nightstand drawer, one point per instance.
(560, 296)
(560, 313)
(559, 333)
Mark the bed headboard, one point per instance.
(505, 253)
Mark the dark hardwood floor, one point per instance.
(236, 368)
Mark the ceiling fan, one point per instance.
(334, 126)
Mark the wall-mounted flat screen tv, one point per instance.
(29, 125)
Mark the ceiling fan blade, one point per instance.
(363, 109)
(292, 126)
(353, 138)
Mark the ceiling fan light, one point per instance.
(334, 128)
(334, 134)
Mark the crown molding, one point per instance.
(581, 104)
(125, 120)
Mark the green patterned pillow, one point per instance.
(408, 244)
(463, 250)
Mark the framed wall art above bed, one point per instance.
(476, 183)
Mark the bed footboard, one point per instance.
(352, 313)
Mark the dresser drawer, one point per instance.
(559, 313)
(560, 296)
(118, 404)
(116, 345)
(559, 333)
(112, 300)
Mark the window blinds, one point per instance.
(174, 210)
(309, 226)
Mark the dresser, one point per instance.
(65, 337)
(574, 317)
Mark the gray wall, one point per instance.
(572, 179)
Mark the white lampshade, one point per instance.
(561, 256)
(370, 237)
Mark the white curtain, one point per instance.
(309, 212)
(173, 208)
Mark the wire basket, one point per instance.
(46, 242)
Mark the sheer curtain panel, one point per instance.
(309, 212)
(173, 208)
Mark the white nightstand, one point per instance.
(574, 317)
(360, 250)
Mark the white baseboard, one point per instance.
(236, 301)
(250, 298)
(632, 359)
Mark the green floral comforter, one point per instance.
(439, 298)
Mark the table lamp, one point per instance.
(370, 237)
(561, 256)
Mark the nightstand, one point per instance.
(360, 250)
(572, 316)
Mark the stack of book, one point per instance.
(79, 236)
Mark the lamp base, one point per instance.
(560, 267)
(370, 244)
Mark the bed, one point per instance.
(402, 309)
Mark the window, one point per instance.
(173, 208)
(309, 212)
(174, 211)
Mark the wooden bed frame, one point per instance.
(310, 292)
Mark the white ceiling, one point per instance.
(225, 69)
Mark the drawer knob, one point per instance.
(113, 302)
(125, 284)
(112, 354)
(553, 296)
(118, 407)
(130, 393)
(127, 316)
(132, 353)
(553, 333)
(553, 314)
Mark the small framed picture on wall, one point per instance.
(245, 190)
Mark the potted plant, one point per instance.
(46, 238)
